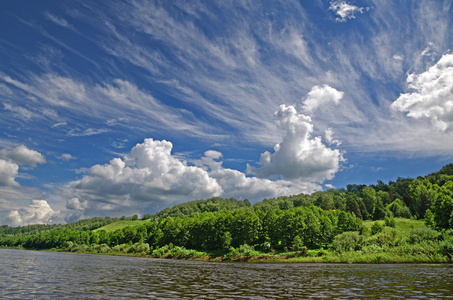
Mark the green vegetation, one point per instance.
(409, 220)
(121, 224)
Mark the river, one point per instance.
(43, 275)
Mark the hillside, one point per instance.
(408, 220)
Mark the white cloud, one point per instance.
(236, 184)
(344, 10)
(66, 157)
(432, 95)
(86, 132)
(148, 175)
(8, 173)
(76, 204)
(38, 212)
(321, 95)
(329, 137)
(11, 159)
(23, 156)
(20, 112)
(299, 155)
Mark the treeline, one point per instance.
(82, 225)
(429, 197)
(200, 206)
(310, 226)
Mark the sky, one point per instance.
(115, 108)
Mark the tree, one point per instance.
(369, 199)
(443, 206)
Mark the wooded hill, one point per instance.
(214, 224)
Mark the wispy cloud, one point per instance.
(86, 132)
(57, 20)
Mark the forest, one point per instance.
(407, 220)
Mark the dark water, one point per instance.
(43, 275)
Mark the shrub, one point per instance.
(390, 222)
(139, 248)
(348, 241)
(243, 250)
(120, 248)
(377, 227)
(420, 234)
(446, 245)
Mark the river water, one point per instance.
(43, 275)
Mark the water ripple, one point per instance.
(44, 275)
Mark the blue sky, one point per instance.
(111, 108)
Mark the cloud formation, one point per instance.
(11, 159)
(38, 212)
(321, 95)
(432, 95)
(150, 177)
(149, 174)
(299, 155)
(344, 10)
(23, 156)
(8, 173)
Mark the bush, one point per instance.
(390, 222)
(446, 245)
(377, 227)
(243, 250)
(348, 241)
(120, 248)
(420, 234)
(387, 238)
(139, 248)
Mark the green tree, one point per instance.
(443, 206)
(369, 199)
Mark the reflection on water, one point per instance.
(34, 275)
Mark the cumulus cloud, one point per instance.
(11, 159)
(38, 212)
(76, 204)
(432, 95)
(236, 184)
(321, 95)
(149, 174)
(299, 155)
(23, 156)
(150, 177)
(8, 173)
(345, 10)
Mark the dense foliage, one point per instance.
(210, 231)
(83, 225)
(331, 219)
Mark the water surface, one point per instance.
(43, 275)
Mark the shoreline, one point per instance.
(330, 258)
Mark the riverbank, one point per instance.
(311, 256)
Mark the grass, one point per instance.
(402, 226)
(121, 224)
